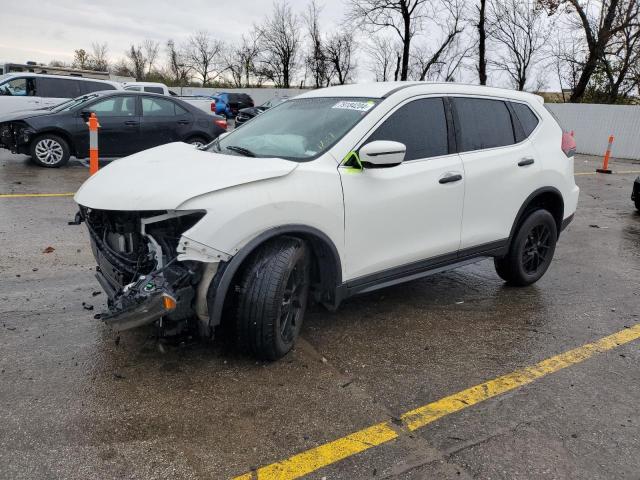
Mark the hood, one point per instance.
(23, 115)
(164, 177)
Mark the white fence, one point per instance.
(593, 124)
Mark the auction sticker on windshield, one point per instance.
(351, 105)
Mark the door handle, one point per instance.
(526, 161)
(450, 178)
(131, 123)
(183, 122)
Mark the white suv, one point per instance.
(333, 193)
(33, 91)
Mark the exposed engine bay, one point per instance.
(15, 136)
(138, 265)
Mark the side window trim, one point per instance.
(358, 144)
(518, 130)
(452, 134)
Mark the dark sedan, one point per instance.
(129, 122)
(246, 114)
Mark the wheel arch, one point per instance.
(58, 132)
(548, 198)
(326, 267)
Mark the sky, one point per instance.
(41, 31)
(45, 30)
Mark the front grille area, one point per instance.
(120, 249)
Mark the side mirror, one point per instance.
(383, 153)
(85, 114)
(222, 135)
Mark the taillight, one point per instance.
(221, 122)
(213, 106)
(568, 144)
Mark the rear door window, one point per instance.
(114, 107)
(158, 107)
(527, 118)
(58, 87)
(482, 123)
(420, 125)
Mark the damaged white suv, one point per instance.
(333, 193)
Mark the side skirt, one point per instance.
(422, 268)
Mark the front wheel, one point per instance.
(197, 142)
(50, 151)
(531, 250)
(272, 298)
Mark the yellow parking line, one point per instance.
(311, 460)
(27, 195)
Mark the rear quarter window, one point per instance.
(528, 120)
(154, 90)
(482, 123)
(90, 87)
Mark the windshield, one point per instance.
(298, 129)
(70, 104)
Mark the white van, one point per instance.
(31, 91)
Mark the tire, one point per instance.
(531, 250)
(50, 151)
(276, 278)
(197, 141)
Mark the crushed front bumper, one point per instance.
(141, 303)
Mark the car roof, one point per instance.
(386, 89)
(68, 77)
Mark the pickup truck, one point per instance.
(201, 103)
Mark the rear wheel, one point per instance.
(50, 151)
(531, 250)
(272, 298)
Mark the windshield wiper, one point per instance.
(244, 151)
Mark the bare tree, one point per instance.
(621, 62)
(279, 41)
(99, 56)
(599, 24)
(177, 64)
(519, 30)
(121, 68)
(151, 49)
(340, 54)
(203, 54)
(482, 42)
(240, 60)
(137, 62)
(428, 60)
(404, 17)
(315, 59)
(382, 54)
(81, 59)
(566, 62)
